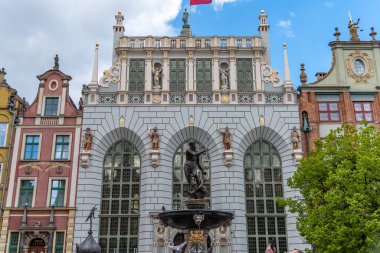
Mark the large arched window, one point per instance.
(120, 206)
(263, 183)
(180, 185)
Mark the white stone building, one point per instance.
(188, 87)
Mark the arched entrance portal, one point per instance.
(37, 245)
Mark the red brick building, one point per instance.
(40, 207)
(347, 93)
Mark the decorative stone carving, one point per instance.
(111, 75)
(156, 99)
(225, 99)
(28, 170)
(85, 156)
(87, 139)
(157, 75)
(228, 157)
(297, 152)
(271, 76)
(59, 170)
(368, 71)
(353, 27)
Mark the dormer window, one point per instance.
(51, 106)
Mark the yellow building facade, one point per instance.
(10, 104)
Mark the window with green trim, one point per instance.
(177, 75)
(26, 192)
(263, 184)
(120, 203)
(32, 143)
(13, 242)
(59, 242)
(137, 75)
(244, 75)
(62, 144)
(51, 106)
(204, 75)
(57, 193)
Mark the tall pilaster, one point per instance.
(165, 70)
(215, 72)
(257, 72)
(118, 32)
(233, 75)
(264, 34)
(123, 74)
(190, 61)
(148, 71)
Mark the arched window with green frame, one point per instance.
(120, 203)
(263, 183)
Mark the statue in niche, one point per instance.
(295, 138)
(226, 138)
(87, 144)
(157, 77)
(155, 138)
(194, 172)
(224, 77)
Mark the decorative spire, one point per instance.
(287, 80)
(94, 79)
(373, 33)
(56, 62)
(353, 27)
(303, 76)
(263, 27)
(337, 34)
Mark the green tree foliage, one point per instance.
(340, 185)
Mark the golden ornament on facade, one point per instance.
(368, 67)
(196, 236)
(156, 99)
(225, 99)
(191, 120)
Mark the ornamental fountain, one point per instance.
(198, 219)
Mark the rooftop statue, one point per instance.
(185, 18)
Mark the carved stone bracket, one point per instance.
(228, 157)
(297, 153)
(155, 158)
(85, 157)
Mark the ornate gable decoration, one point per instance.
(271, 75)
(359, 66)
(111, 75)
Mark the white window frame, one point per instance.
(18, 191)
(54, 142)
(49, 190)
(6, 133)
(24, 144)
(44, 104)
(55, 239)
(9, 237)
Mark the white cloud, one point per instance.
(286, 27)
(292, 14)
(328, 4)
(32, 32)
(218, 4)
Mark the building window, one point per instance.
(223, 43)
(157, 43)
(132, 43)
(208, 43)
(198, 43)
(239, 43)
(32, 144)
(120, 204)
(248, 43)
(359, 67)
(177, 75)
(3, 134)
(59, 242)
(26, 192)
(51, 107)
(173, 43)
(182, 43)
(328, 111)
(244, 75)
(13, 242)
(204, 75)
(141, 43)
(180, 185)
(263, 184)
(57, 193)
(62, 144)
(363, 111)
(137, 75)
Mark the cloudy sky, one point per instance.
(33, 31)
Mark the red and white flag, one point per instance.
(194, 2)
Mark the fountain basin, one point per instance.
(183, 219)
